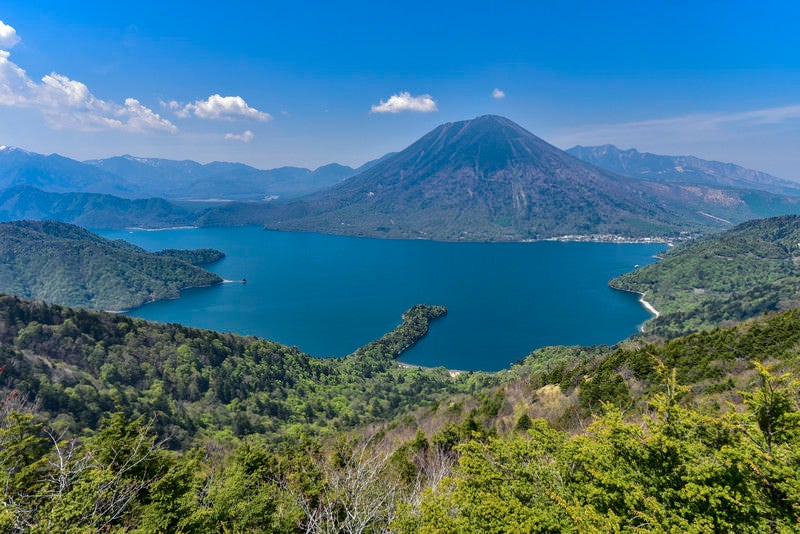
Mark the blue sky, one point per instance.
(272, 84)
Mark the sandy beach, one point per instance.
(648, 306)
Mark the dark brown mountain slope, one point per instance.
(490, 179)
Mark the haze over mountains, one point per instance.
(93, 210)
(56, 174)
(490, 179)
(481, 179)
(683, 169)
(132, 177)
(231, 181)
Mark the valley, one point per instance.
(507, 256)
(328, 295)
(381, 268)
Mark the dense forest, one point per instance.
(111, 423)
(65, 264)
(81, 365)
(726, 277)
(691, 435)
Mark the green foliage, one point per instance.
(675, 471)
(672, 469)
(65, 264)
(707, 360)
(201, 383)
(732, 276)
(200, 256)
(773, 407)
(22, 449)
(524, 423)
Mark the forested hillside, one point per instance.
(113, 423)
(739, 273)
(68, 265)
(92, 210)
(689, 435)
(81, 365)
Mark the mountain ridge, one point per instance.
(490, 179)
(91, 210)
(682, 169)
(135, 177)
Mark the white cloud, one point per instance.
(405, 102)
(498, 93)
(142, 118)
(245, 137)
(16, 89)
(693, 127)
(69, 104)
(220, 107)
(8, 36)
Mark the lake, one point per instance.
(328, 295)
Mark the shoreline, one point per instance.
(668, 241)
(141, 229)
(609, 238)
(645, 304)
(649, 307)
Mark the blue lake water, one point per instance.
(328, 295)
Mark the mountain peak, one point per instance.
(485, 123)
(486, 178)
(499, 119)
(10, 149)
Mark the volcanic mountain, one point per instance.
(490, 179)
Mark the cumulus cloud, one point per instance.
(142, 118)
(69, 104)
(8, 36)
(498, 93)
(405, 102)
(16, 89)
(219, 107)
(245, 137)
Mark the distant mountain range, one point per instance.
(476, 180)
(490, 179)
(56, 174)
(218, 180)
(681, 169)
(65, 264)
(132, 177)
(92, 210)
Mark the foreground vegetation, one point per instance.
(674, 452)
(68, 265)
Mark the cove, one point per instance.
(329, 295)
